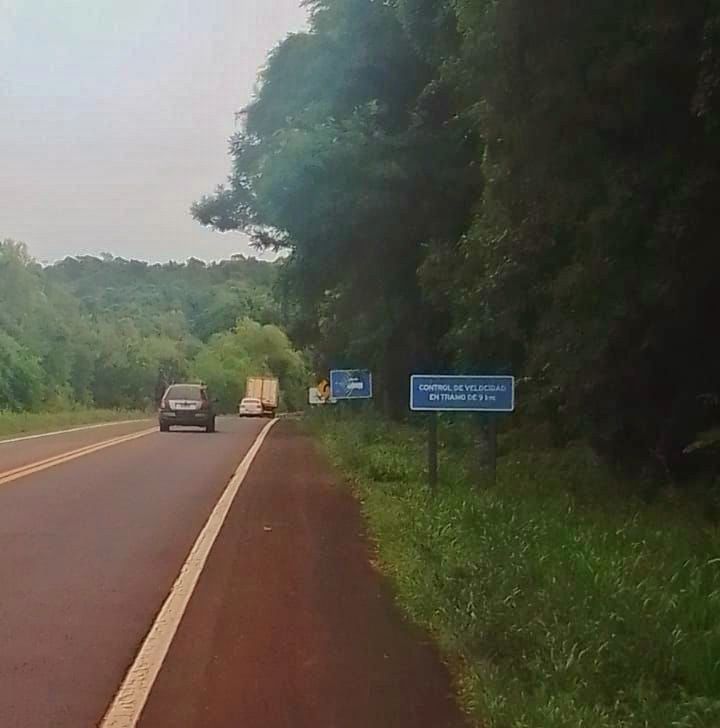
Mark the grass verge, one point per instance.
(31, 423)
(559, 600)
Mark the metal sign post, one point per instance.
(433, 451)
(492, 436)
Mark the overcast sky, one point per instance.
(115, 115)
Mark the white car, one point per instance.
(250, 407)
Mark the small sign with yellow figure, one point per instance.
(323, 389)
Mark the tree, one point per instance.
(457, 191)
(21, 378)
(589, 262)
(251, 349)
(112, 332)
(341, 167)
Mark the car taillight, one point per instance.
(204, 404)
(164, 405)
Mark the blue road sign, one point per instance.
(451, 393)
(351, 384)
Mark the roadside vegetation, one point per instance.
(30, 423)
(554, 604)
(110, 334)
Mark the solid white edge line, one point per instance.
(72, 429)
(130, 699)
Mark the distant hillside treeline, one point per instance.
(111, 333)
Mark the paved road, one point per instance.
(288, 626)
(16, 453)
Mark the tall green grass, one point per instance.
(560, 600)
(29, 423)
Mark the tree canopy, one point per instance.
(113, 333)
(500, 187)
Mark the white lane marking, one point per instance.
(72, 429)
(24, 470)
(129, 701)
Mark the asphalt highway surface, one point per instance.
(198, 580)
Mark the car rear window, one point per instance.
(185, 391)
(251, 401)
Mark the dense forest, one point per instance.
(476, 186)
(113, 333)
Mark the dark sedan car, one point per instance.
(187, 405)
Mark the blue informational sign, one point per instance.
(451, 393)
(351, 384)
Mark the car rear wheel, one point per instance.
(164, 427)
(210, 427)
